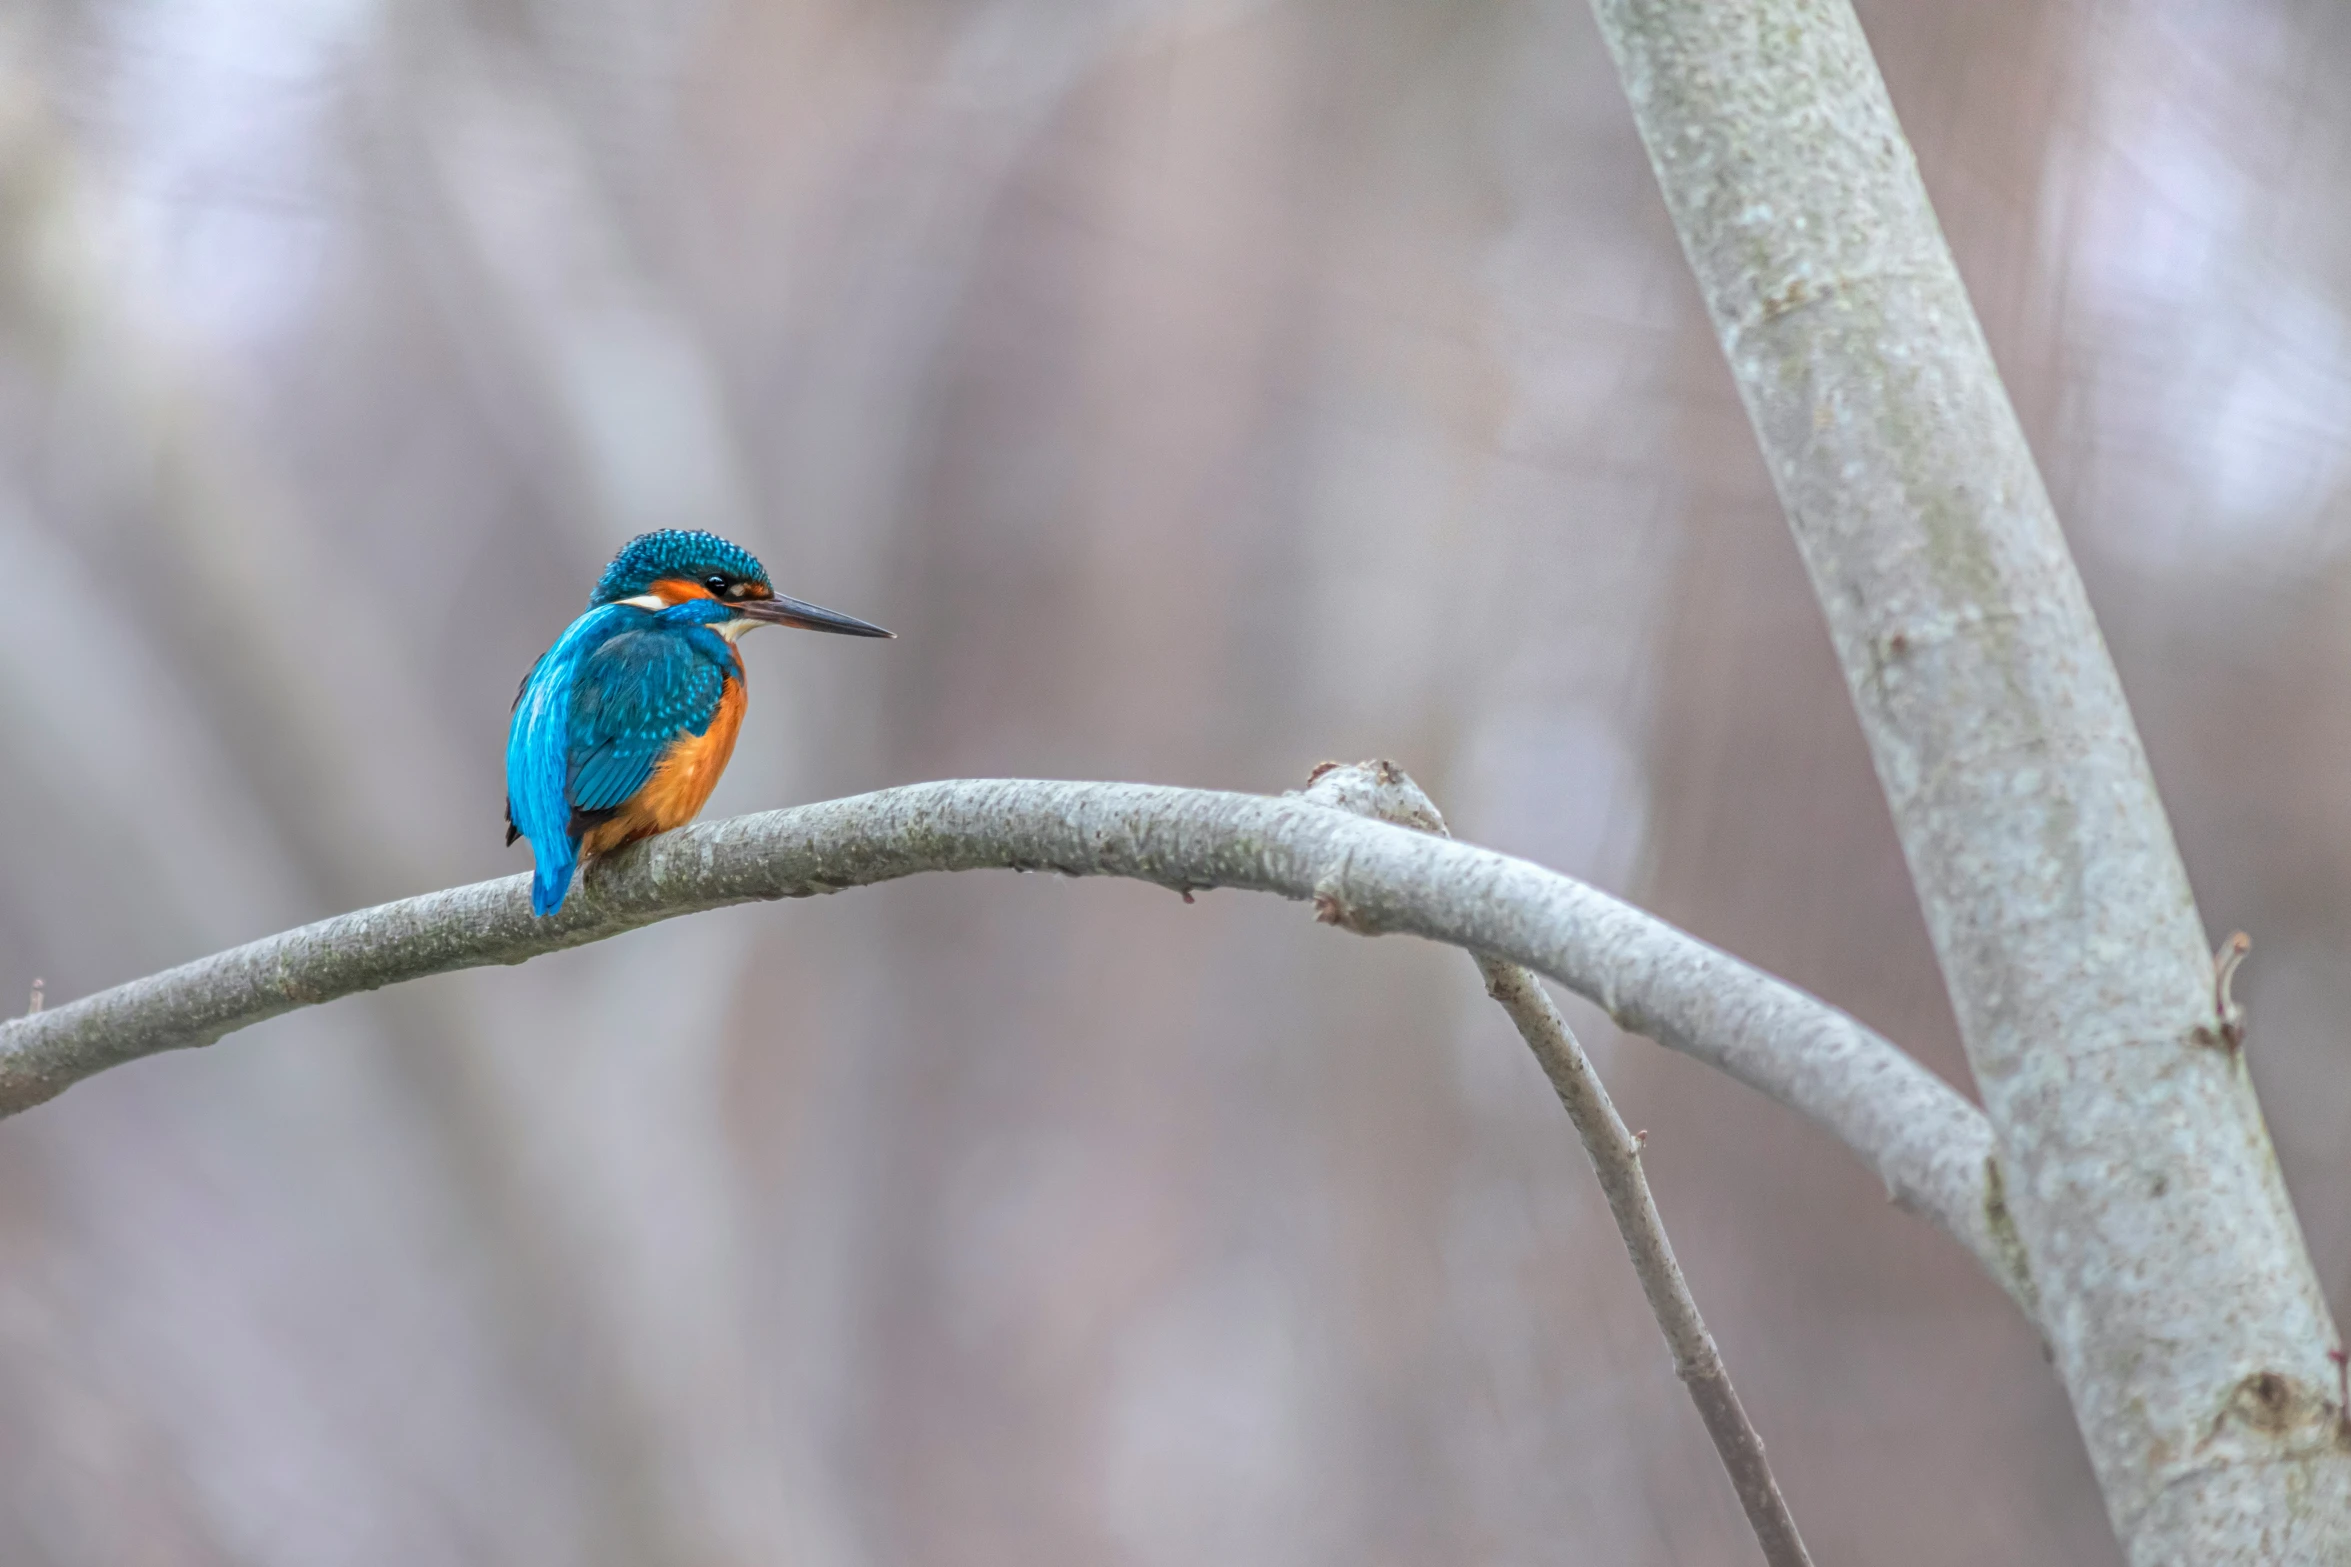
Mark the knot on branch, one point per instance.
(2269, 1409)
(1378, 789)
(1330, 908)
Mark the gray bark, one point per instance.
(1932, 1149)
(2175, 1290)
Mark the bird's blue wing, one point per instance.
(538, 743)
(633, 695)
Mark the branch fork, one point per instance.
(1383, 791)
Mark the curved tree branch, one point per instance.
(1932, 1149)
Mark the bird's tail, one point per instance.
(551, 877)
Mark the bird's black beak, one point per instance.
(781, 611)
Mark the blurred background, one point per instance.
(1202, 388)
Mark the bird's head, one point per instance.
(678, 566)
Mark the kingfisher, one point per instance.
(622, 728)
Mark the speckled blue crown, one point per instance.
(672, 552)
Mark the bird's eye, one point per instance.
(715, 583)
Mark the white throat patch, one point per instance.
(729, 629)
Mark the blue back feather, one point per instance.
(598, 710)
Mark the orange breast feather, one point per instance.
(681, 781)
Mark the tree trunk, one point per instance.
(2174, 1287)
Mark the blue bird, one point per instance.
(622, 728)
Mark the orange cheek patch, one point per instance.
(677, 590)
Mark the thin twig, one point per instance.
(1931, 1148)
(1382, 790)
(2226, 1031)
(2224, 1001)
